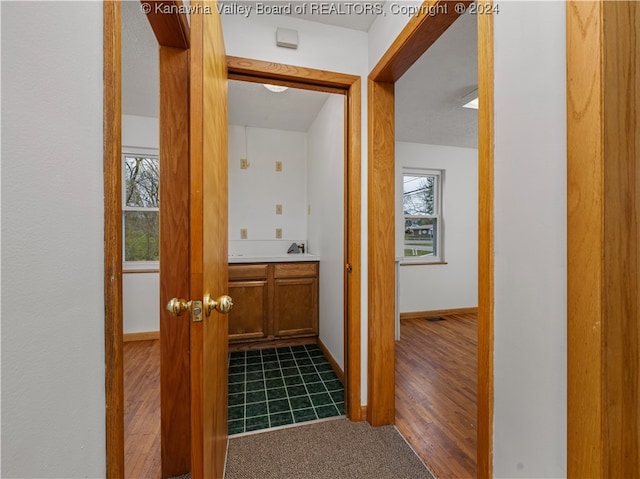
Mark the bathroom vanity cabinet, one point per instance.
(273, 300)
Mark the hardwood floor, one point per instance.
(436, 392)
(142, 409)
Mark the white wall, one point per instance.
(255, 191)
(530, 241)
(140, 132)
(326, 222)
(53, 398)
(140, 291)
(140, 302)
(455, 284)
(324, 47)
(385, 29)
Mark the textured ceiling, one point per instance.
(251, 104)
(428, 96)
(140, 80)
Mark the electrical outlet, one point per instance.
(243, 233)
(278, 233)
(244, 163)
(278, 209)
(278, 166)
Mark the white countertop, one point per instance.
(283, 258)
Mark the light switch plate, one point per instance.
(278, 233)
(278, 166)
(244, 163)
(243, 233)
(278, 209)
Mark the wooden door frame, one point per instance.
(245, 69)
(603, 237)
(112, 172)
(418, 35)
(172, 33)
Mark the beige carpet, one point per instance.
(332, 449)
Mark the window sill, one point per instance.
(405, 262)
(141, 267)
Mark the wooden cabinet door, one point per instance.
(249, 318)
(295, 306)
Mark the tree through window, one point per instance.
(421, 205)
(141, 207)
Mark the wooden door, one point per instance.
(193, 233)
(208, 240)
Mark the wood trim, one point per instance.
(422, 263)
(114, 366)
(621, 119)
(215, 232)
(275, 343)
(168, 23)
(603, 141)
(196, 333)
(134, 271)
(584, 212)
(363, 410)
(349, 85)
(174, 257)
(437, 312)
(290, 84)
(620, 441)
(381, 191)
(422, 30)
(353, 250)
(486, 292)
(141, 336)
(334, 364)
(298, 76)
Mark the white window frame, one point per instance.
(147, 153)
(438, 215)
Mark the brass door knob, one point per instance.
(177, 306)
(223, 304)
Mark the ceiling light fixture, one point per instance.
(470, 100)
(276, 88)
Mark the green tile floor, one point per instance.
(280, 386)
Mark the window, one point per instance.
(140, 207)
(422, 214)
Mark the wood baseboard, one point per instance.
(334, 364)
(274, 343)
(438, 312)
(363, 412)
(142, 336)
